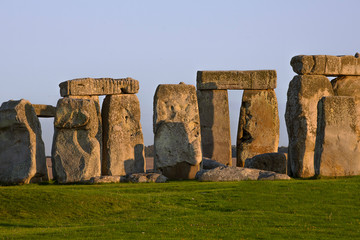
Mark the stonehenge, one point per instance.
(96, 143)
(322, 117)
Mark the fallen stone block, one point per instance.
(275, 162)
(123, 151)
(258, 130)
(22, 151)
(177, 140)
(337, 151)
(44, 111)
(229, 174)
(211, 164)
(108, 179)
(237, 80)
(147, 178)
(303, 95)
(98, 86)
(215, 125)
(76, 150)
(326, 65)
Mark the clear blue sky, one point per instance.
(43, 43)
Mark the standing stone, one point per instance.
(22, 151)
(301, 120)
(337, 151)
(123, 151)
(76, 151)
(215, 125)
(346, 86)
(177, 141)
(258, 130)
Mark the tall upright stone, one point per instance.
(258, 130)
(76, 151)
(123, 151)
(177, 141)
(303, 95)
(215, 125)
(22, 151)
(346, 86)
(337, 151)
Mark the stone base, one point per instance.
(180, 171)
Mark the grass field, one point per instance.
(296, 209)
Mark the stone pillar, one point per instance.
(303, 95)
(258, 130)
(215, 125)
(177, 140)
(22, 151)
(76, 150)
(123, 151)
(337, 151)
(346, 86)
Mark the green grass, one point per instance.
(296, 209)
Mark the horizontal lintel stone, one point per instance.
(98, 86)
(236, 80)
(45, 111)
(327, 65)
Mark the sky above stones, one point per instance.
(43, 43)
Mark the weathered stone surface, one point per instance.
(44, 111)
(301, 120)
(98, 86)
(337, 151)
(22, 152)
(177, 141)
(346, 86)
(108, 179)
(276, 162)
(76, 150)
(215, 125)
(228, 174)
(123, 151)
(326, 65)
(237, 80)
(258, 130)
(211, 164)
(147, 178)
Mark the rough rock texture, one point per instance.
(22, 152)
(215, 125)
(337, 151)
(346, 86)
(108, 179)
(227, 174)
(301, 120)
(276, 162)
(123, 151)
(177, 140)
(258, 130)
(76, 151)
(44, 111)
(98, 86)
(147, 178)
(211, 164)
(326, 65)
(255, 80)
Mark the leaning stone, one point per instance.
(215, 125)
(326, 65)
(258, 130)
(228, 174)
(147, 178)
(275, 162)
(237, 80)
(177, 141)
(76, 150)
(346, 86)
(98, 86)
(22, 151)
(301, 120)
(210, 164)
(44, 111)
(337, 151)
(123, 151)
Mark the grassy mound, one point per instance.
(296, 209)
